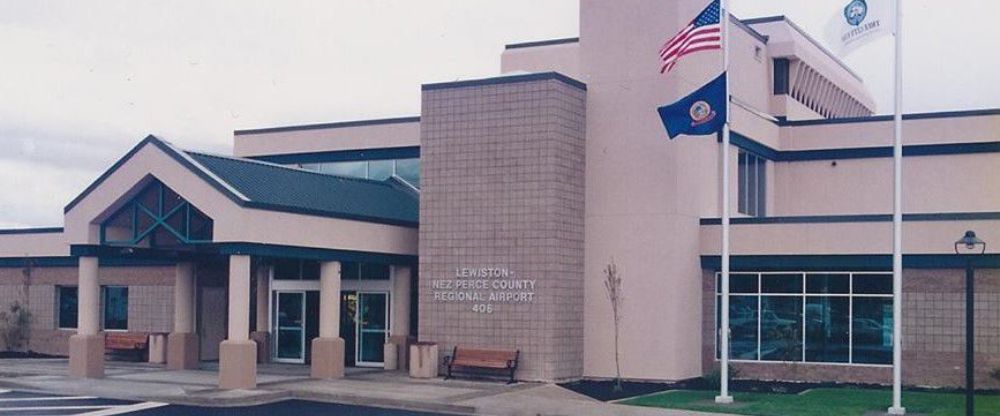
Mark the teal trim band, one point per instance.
(335, 125)
(506, 79)
(859, 263)
(313, 253)
(387, 153)
(913, 116)
(39, 230)
(208, 251)
(772, 154)
(547, 42)
(71, 261)
(829, 219)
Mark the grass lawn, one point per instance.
(821, 402)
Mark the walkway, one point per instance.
(149, 383)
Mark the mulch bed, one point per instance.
(603, 390)
(25, 354)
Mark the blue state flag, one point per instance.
(700, 113)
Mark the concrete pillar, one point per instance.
(86, 347)
(399, 320)
(182, 343)
(261, 334)
(237, 354)
(328, 349)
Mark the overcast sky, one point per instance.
(82, 82)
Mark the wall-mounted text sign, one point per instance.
(483, 287)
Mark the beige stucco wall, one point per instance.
(939, 130)
(645, 193)
(232, 222)
(398, 134)
(944, 183)
(33, 244)
(919, 237)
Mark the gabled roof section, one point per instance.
(276, 187)
(262, 185)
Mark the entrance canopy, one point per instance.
(160, 198)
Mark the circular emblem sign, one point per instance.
(855, 12)
(700, 112)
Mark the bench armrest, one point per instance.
(447, 360)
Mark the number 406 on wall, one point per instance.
(482, 308)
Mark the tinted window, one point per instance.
(873, 284)
(781, 283)
(828, 283)
(409, 170)
(116, 307)
(67, 307)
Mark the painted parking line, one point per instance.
(46, 398)
(120, 410)
(25, 403)
(16, 410)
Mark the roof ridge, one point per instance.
(292, 168)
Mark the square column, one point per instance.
(261, 334)
(238, 354)
(86, 347)
(399, 319)
(182, 343)
(328, 349)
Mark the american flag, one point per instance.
(703, 33)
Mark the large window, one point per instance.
(752, 177)
(115, 308)
(67, 312)
(809, 317)
(405, 169)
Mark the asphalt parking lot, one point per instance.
(24, 403)
(32, 404)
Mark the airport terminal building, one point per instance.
(488, 220)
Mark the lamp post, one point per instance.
(970, 245)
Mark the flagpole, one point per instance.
(724, 396)
(897, 221)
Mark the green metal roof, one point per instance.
(276, 187)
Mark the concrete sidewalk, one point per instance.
(144, 382)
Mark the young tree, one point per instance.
(613, 285)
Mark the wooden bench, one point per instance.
(126, 341)
(463, 358)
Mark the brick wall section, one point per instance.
(150, 308)
(503, 186)
(933, 335)
(150, 299)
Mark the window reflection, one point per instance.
(405, 169)
(826, 322)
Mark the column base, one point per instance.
(86, 356)
(896, 411)
(402, 350)
(724, 399)
(237, 365)
(327, 358)
(182, 351)
(262, 338)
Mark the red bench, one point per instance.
(126, 341)
(463, 358)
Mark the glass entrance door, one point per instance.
(373, 323)
(289, 326)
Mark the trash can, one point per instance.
(423, 360)
(157, 348)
